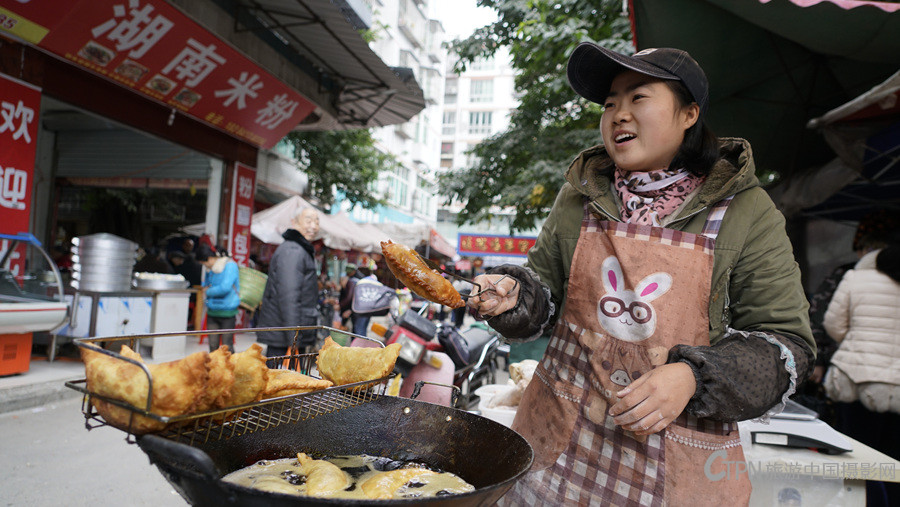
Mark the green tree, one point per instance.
(344, 160)
(522, 168)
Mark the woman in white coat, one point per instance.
(864, 377)
(864, 317)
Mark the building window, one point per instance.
(480, 122)
(446, 148)
(398, 185)
(449, 124)
(481, 90)
(450, 90)
(482, 63)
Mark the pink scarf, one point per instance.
(648, 197)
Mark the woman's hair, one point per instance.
(888, 262)
(204, 252)
(700, 148)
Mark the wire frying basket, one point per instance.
(231, 421)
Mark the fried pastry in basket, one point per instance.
(346, 365)
(177, 387)
(410, 269)
(285, 382)
(250, 375)
(220, 384)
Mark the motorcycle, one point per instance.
(476, 354)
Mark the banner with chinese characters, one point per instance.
(485, 244)
(154, 49)
(20, 104)
(243, 190)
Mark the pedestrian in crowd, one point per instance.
(291, 292)
(153, 262)
(186, 266)
(676, 300)
(864, 376)
(871, 234)
(459, 314)
(222, 292)
(367, 275)
(187, 247)
(348, 282)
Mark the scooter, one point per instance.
(475, 354)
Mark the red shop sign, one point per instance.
(243, 190)
(20, 104)
(154, 49)
(485, 244)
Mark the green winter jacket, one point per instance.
(755, 281)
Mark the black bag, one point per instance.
(418, 324)
(455, 346)
(371, 298)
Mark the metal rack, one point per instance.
(224, 423)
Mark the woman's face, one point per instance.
(643, 125)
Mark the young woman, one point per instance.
(222, 295)
(674, 300)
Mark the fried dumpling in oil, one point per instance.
(323, 478)
(385, 484)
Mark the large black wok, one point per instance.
(488, 455)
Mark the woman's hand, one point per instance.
(503, 297)
(654, 400)
(818, 374)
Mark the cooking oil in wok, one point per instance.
(368, 477)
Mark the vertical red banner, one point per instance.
(20, 105)
(243, 192)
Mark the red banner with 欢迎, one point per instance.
(20, 104)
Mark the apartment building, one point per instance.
(407, 36)
(477, 104)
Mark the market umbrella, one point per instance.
(865, 133)
(774, 65)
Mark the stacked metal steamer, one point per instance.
(102, 263)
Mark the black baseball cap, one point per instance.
(592, 68)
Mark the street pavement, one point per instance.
(48, 458)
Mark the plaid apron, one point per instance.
(639, 290)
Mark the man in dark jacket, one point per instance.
(291, 290)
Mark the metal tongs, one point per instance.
(433, 265)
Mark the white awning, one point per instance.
(336, 231)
